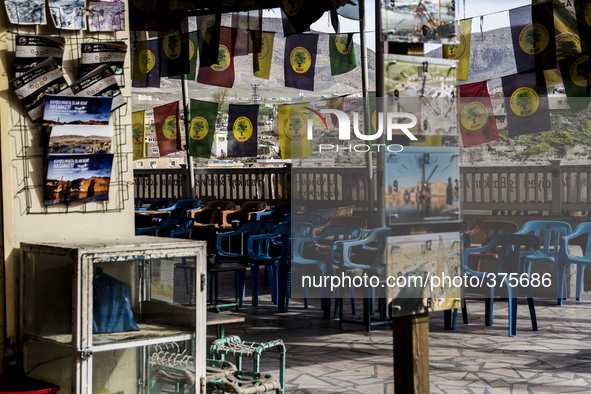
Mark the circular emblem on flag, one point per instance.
(294, 127)
(265, 46)
(534, 38)
(191, 50)
(146, 61)
(580, 71)
(455, 51)
(567, 44)
(206, 25)
(169, 127)
(137, 133)
(172, 45)
(524, 101)
(292, 7)
(223, 59)
(340, 42)
(199, 128)
(300, 60)
(242, 129)
(474, 116)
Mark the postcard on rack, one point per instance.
(31, 50)
(68, 14)
(30, 88)
(80, 139)
(26, 12)
(110, 53)
(78, 178)
(77, 110)
(106, 16)
(100, 82)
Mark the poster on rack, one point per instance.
(68, 14)
(30, 88)
(78, 178)
(424, 87)
(110, 53)
(106, 16)
(430, 21)
(414, 258)
(100, 82)
(31, 50)
(77, 110)
(26, 12)
(80, 139)
(422, 185)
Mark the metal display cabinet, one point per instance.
(165, 281)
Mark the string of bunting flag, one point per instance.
(242, 128)
(551, 44)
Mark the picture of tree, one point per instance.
(170, 129)
(533, 36)
(300, 58)
(242, 127)
(222, 54)
(198, 127)
(523, 99)
(295, 125)
(566, 48)
(472, 114)
(173, 44)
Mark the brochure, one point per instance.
(78, 178)
(112, 54)
(46, 78)
(100, 82)
(31, 50)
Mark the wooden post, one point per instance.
(411, 353)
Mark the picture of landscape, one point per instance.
(417, 258)
(419, 21)
(78, 178)
(77, 110)
(422, 185)
(80, 139)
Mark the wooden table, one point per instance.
(219, 319)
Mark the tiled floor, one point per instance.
(321, 358)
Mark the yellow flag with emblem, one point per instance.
(461, 51)
(262, 61)
(292, 121)
(138, 130)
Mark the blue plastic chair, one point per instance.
(510, 249)
(583, 231)
(273, 250)
(156, 205)
(180, 208)
(367, 254)
(278, 213)
(549, 232)
(169, 227)
(318, 251)
(231, 255)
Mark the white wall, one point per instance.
(22, 173)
